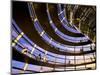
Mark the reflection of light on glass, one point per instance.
(91, 66)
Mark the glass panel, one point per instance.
(80, 67)
(17, 64)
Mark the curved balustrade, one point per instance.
(21, 44)
(36, 62)
(65, 23)
(61, 52)
(18, 68)
(41, 53)
(62, 35)
(46, 25)
(54, 16)
(57, 62)
(66, 51)
(24, 44)
(45, 36)
(61, 15)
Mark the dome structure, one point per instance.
(48, 37)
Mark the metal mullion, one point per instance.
(43, 60)
(24, 68)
